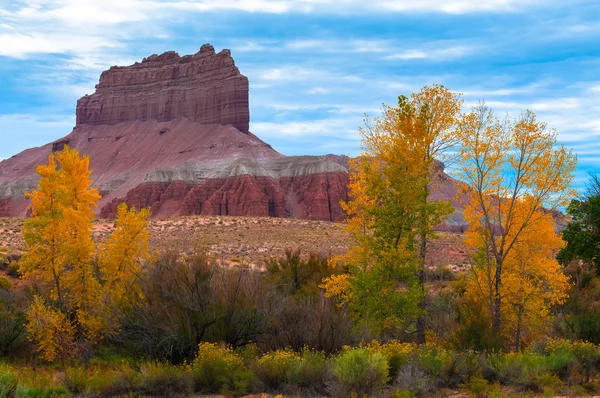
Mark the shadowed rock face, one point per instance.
(171, 133)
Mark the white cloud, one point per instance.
(332, 127)
(436, 54)
(506, 91)
(341, 45)
(458, 6)
(20, 45)
(317, 90)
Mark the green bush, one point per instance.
(75, 379)
(8, 381)
(477, 387)
(23, 391)
(432, 360)
(275, 369)
(309, 374)
(586, 355)
(358, 371)
(165, 380)
(13, 270)
(501, 367)
(532, 367)
(396, 353)
(459, 368)
(401, 393)
(113, 381)
(218, 369)
(548, 383)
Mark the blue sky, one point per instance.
(315, 66)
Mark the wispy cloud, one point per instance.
(437, 54)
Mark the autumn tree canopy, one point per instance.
(76, 296)
(390, 216)
(515, 174)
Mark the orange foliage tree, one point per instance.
(75, 296)
(513, 169)
(532, 280)
(391, 218)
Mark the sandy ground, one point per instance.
(248, 239)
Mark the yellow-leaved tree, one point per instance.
(532, 280)
(120, 259)
(390, 215)
(516, 176)
(75, 297)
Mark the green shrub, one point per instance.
(113, 381)
(401, 393)
(274, 369)
(561, 361)
(218, 369)
(40, 382)
(548, 383)
(585, 355)
(8, 381)
(532, 367)
(459, 368)
(504, 368)
(477, 387)
(396, 353)
(75, 379)
(23, 391)
(432, 360)
(124, 381)
(13, 270)
(309, 374)
(358, 371)
(163, 379)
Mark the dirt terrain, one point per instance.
(248, 239)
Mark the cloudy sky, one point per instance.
(315, 66)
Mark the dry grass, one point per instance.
(249, 239)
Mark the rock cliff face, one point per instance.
(171, 133)
(205, 87)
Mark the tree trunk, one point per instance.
(496, 315)
(518, 331)
(421, 324)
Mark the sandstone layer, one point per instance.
(205, 87)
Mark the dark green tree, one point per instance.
(583, 232)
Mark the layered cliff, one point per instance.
(205, 87)
(172, 133)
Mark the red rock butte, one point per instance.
(172, 133)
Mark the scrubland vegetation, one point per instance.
(116, 317)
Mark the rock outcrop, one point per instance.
(172, 133)
(205, 87)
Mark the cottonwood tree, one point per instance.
(391, 217)
(76, 297)
(532, 280)
(514, 169)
